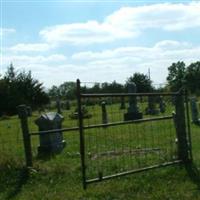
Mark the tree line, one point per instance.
(21, 88)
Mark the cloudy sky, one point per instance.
(98, 40)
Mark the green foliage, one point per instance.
(181, 75)
(67, 89)
(193, 77)
(20, 88)
(176, 76)
(142, 81)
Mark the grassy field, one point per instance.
(59, 177)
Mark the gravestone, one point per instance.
(85, 113)
(133, 110)
(109, 101)
(58, 105)
(67, 105)
(50, 142)
(162, 105)
(122, 105)
(194, 110)
(104, 113)
(29, 111)
(151, 109)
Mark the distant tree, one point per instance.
(112, 87)
(176, 75)
(54, 92)
(192, 77)
(68, 89)
(142, 81)
(65, 90)
(96, 88)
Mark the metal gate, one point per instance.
(112, 144)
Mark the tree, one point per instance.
(192, 77)
(66, 89)
(142, 81)
(176, 76)
(112, 87)
(20, 88)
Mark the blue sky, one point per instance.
(98, 41)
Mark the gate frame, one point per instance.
(180, 117)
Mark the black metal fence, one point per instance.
(113, 145)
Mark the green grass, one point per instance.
(59, 177)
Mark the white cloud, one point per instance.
(121, 62)
(114, 64)
(24, 60)
(6, 31)
(166, 16)
(34, 47)
(84, 33)
(127, 22)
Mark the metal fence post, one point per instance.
(82, 143)
(188, 126)
(181, 128)
(23, 115)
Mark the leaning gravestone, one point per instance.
(50, 142)
(151, 109)
(104, 113)
(194, 109)
(133, 110)
(122, 105)
(58, 105)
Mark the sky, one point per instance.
(98, 41)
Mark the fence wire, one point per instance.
(121, 147)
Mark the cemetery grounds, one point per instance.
(59, 177)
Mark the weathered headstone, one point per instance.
(109, 101)
(151, 109)
(162, 105)
(29, 111)
(122, 105)
(67, 105)
(50, 142)
(194, 110)
(85, 113)
(133, 110)
(104, 113)
(58, 105)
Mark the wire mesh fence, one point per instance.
(124, 133)
(115, 149)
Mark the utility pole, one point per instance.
(149, 73)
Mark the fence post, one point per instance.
(181, 128)
(23, 115)
(82, 142)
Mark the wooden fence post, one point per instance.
(181, 128)
(23, 115)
